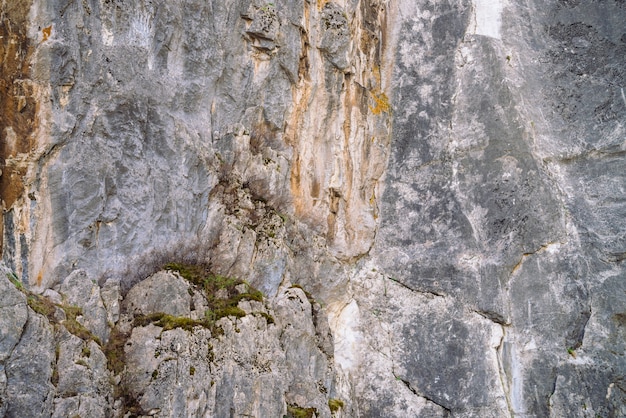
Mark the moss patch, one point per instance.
(307, 294)
(42, 306)
(79, 330)
(47, 308)
(268, 318)
(335, 405)
(114, 350)
(167, 322)
(294, 411)
(213, 285)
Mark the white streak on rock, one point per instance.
(487, 18)
(344, 324)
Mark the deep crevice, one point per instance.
(422, 291)
(406, 383)
(494, 317)
(503, 375)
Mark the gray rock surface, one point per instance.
(161, 292)
(430, 195)
(250, 365)
(83, 385)
(78, 290)
(13, 317)
(29, 391)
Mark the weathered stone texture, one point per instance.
(446, 179)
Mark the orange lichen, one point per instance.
(46, 33)
(380, 103)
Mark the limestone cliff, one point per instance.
(358, 208)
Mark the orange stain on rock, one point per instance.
(18, 104)
(46, 33)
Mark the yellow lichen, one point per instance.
(380, 103)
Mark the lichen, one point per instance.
(380, 101)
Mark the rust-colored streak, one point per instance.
(296, 187)
(17, 99)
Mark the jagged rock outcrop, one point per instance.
(257, 358)
(444, 179)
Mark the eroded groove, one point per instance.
(503, 375)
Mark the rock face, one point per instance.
(446, 180)
(259, 358)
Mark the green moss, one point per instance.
(114, 350)
(167, 322)
(226, 305)
(307, 294)
(192, 371)
(71, 312)
(155, 374)
(16, 282)
(217, 330)
(202, 277)
(170, 322)
(211, 283)
(82, 362)
(335, 405)
(294, 411)
(229, 311)
(42, 306)
(86, 352)
(54, 379)
(252, 294)
(268, 318)
(79, 330)
(193, 273)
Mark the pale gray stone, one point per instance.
(29, 391)
(78, 290)
(162, 292)
(111, 297)
(13, 316)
